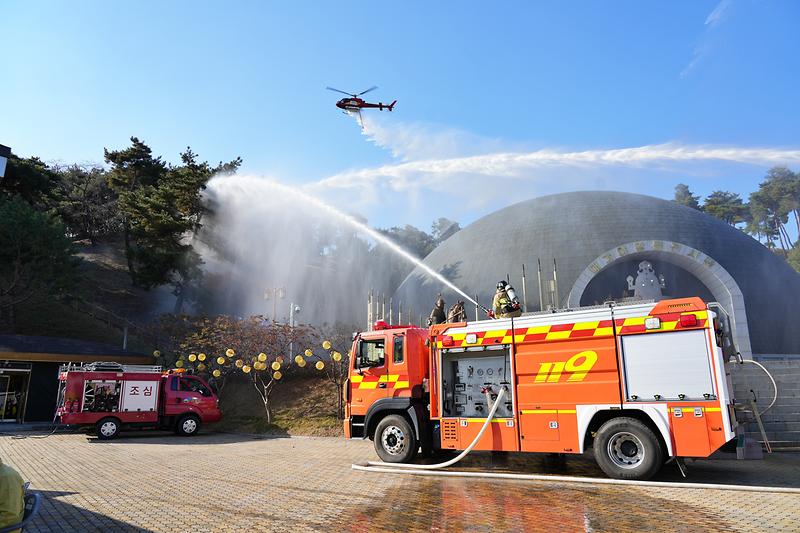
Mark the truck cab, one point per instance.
(387, 378)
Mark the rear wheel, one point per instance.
(107, 428)
(625, 448)
(187, 425)
(394, 440)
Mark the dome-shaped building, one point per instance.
(613, 245)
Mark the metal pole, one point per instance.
(557, 301)
(524, 291)
(291, 330)
(125, 338)
(476, 308)
(390, 310)
(539, 273)
(383, 309)
(400, 312)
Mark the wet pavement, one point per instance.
(223, 482)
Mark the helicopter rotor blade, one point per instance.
(338, 91)
(368, 90)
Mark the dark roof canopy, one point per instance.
(33, 348)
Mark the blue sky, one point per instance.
(480, 87)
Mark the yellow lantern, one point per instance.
(201, 357)
(309, 353)
(239, 363)
(301, 363)
(336, 356)
(192, 357)
(320, 365)
(262, 357)
(277, 375)
(216, 373)
(220, 360)
(326, 345)
(156, 353)
(229, 352)
(298, 358)
(246, 369)
(201, 367)
(276, 365)
(179, 363)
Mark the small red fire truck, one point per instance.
(638, 383)
(110, 396)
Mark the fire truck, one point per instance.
(638, 383)
(110, 396)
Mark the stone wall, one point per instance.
(782, 422)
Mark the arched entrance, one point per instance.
(718, 281)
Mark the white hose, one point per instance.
(774, 386)
(455, 459)
(573, 479)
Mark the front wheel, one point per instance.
(394, 440)
(625, 448)
(187, 426)
(107, 428)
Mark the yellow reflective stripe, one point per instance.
(705, 409)
(585, 325)
(401, 385)
(712, 409)
(495, 333)
(669, 325)
(637, 321)
(537, 330)
(548, 411)
(458, 336)
(368, 385)
(482, 420)
(506, 340)
(388, 378)
(555, 335)
(603, 332)
(356, 379)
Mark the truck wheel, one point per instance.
(107, 428)
(187, 426)
(625, 448)
(394, 440)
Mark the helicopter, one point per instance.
(354, 104)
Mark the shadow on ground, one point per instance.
(781, 469)
(57, 515)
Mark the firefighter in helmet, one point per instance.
(503, 304)
(437, 315)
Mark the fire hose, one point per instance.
(460, 456)
(774, 385)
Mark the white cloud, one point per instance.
(433, 173)
(716, 16)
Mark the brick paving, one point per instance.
(224, 482)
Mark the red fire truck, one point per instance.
(110, 396)
(638, 383)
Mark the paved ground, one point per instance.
(219, 482)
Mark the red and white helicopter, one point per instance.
(354, 104)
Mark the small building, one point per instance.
(29, 372)
(5, 153)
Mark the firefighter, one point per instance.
(504, 306)
(437, 315)
(457, 313)
(12, 496)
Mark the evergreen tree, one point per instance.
(29, 179)
(726, 206)
(36, 258)
(683, 196)
(770, 207)
(87, 204)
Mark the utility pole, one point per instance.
(293, 310)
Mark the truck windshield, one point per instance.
(372, 352)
